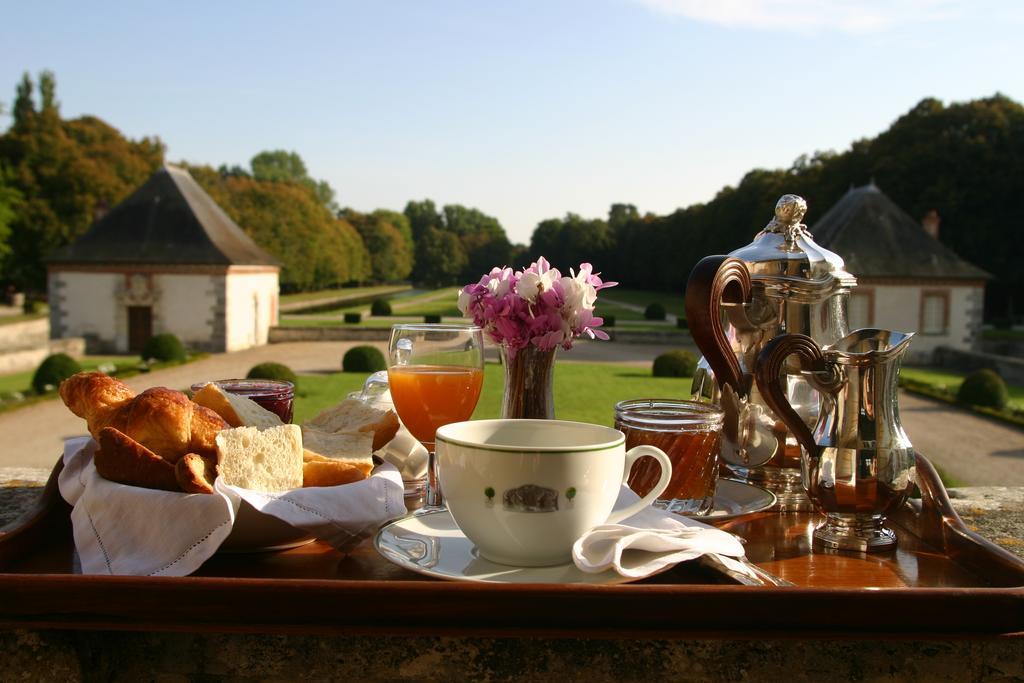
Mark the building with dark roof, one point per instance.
(907, 279)
(166, 259)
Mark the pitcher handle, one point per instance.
(717, 279)
(769, 377)
(632, 456)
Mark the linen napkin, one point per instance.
(651, 540)
(121, 529)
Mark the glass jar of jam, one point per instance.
(277, 396)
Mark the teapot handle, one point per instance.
(714, 280)
(769, 377)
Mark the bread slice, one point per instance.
(262, 460)
(237, 411)
(354, 449)
(352, 415)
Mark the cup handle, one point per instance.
(632, 456)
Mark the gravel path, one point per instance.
(974, 450)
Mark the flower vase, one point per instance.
(529, 376)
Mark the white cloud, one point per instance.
(848, 16)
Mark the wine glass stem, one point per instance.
(433, 499)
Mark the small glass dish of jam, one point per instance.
(277, 396)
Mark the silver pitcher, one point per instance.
(858, 464)
(781, 282)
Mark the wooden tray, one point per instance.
(943, 581)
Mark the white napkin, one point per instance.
(122, 529)
(651, 540)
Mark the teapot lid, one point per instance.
(785, 259)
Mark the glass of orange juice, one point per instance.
(435, 372)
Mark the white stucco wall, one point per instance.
(186, 306)
(898, 307)
(84, 305)
(251, 306)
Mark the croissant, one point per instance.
(163, 420)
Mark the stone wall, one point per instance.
(25, 334)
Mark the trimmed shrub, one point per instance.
(33, 306)
(609, 321)
(682, 324)
(353, 318)
(380, 307)
(432, 319)
(272, 370)
(983, 388)
(654, 311)
(54, 370)
(675, 364)
(164, 347)
(363, 359)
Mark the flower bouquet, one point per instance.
(529, 314)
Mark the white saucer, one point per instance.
(735, 498)
(433, 545)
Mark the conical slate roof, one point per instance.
(877, 238)
(169, 220)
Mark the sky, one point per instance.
(524, 110)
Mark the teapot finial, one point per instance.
(789, 210)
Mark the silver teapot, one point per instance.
(858, 464)
(782, 282)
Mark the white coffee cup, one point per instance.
(524, 490)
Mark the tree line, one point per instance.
(964, 160)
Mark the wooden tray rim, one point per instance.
(374, 606)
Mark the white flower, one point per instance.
(464, 301)
(578, 294)
(531, 284)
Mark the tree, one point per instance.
(280, 166)
(390, 254)
(567, 242)
(440, 258)
(24, 106)
(316, 249)
(399, 222)
(10, 198)
(64, 171)
(422, 216)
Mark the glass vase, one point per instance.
(529, 376)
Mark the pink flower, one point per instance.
(536, 306)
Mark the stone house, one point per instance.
(906, 279)
(166, 259)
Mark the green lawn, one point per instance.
(672, 301)
(438, 302)
(1003, 334)
(605, 308)
(948, 380)
(601, 385)
(22, 381)
(347, 292)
